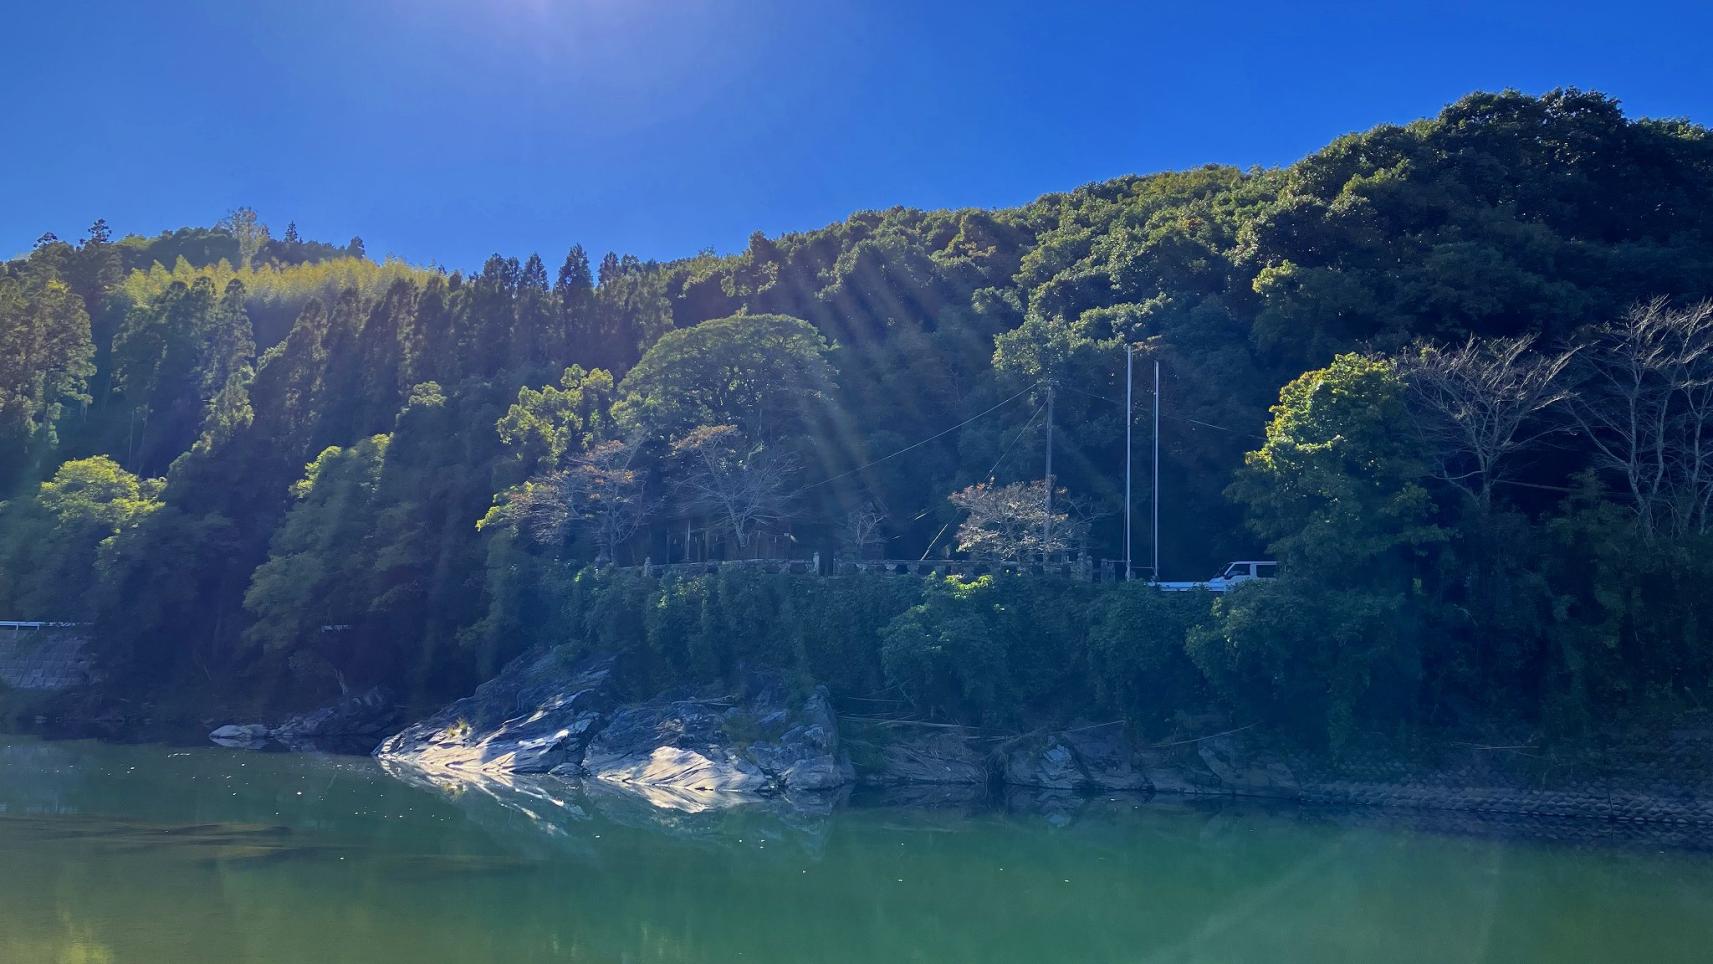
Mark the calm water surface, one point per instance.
(155, 854)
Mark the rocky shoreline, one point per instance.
(770, 737)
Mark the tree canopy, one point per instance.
(1399, 363)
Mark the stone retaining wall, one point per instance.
(1666, 778)
(43, 659)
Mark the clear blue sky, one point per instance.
(447, 129)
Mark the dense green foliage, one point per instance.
(373, 471)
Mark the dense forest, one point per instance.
(1453, 375)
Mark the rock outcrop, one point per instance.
(1099, 759)
(693, 750)
(352, 724)
(537, 716)
(758, 743)
(547, 713)
(1243, 774)
(354, 720)
(1086, 758)
(904, 755)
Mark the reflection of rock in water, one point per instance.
(964, 798)
(527, 810)
(800, 820)
(528, 815)
(1059, 808)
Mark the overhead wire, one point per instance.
(989, 475)
(915, 445)
(1175, 418)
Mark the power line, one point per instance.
(916, 445)
(1007, 451)
(1221, 428)
(989, 475)
(1175, 418)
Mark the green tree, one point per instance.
(49, 542)
(316, 571)
(1337, 487)
(574, 292)
(547, 424)
(536, 337)
(46, 356)
(761, 373)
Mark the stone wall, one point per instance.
(1663, 777)
(1666, 778)
(43, 659)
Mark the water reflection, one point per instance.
(138, 854)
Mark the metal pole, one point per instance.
(1047, 523)
(1156, 468)
(1129, 417)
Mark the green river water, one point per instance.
(161, 854)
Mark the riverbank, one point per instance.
(550, 713)
(778, 734)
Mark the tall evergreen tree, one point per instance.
(288, 383)
(574, 291)
(381, 357)
(431, 343)
(232, 341)
(338, 410)
(488, 314)
(535, 342)
(45, 355)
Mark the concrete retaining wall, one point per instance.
(1666, 778)
(43, 659)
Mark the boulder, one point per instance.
(806, 755)
(1176, 773)
(355, 717)
(681, 744)
(537, 716)
(761, 742)
(240, 735)
(1046, 762)
(1087, 758)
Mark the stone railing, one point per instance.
(1061, 567)
(799, 567)
(1080, 568)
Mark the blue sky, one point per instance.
(443, 130)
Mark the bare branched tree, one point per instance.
(1643, 402)
(1005, 522)
(606, 494)
(723, 474)
(248, 230)
(1480, 405)
(862, 529)
(598, 491)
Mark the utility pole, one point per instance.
(1156, 470)
(1047, 522)
(1129, 417)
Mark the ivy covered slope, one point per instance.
(1452, 375)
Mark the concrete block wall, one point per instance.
(43, 659)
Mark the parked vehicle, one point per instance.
(1234, 574)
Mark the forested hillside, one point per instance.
(1426, 366)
